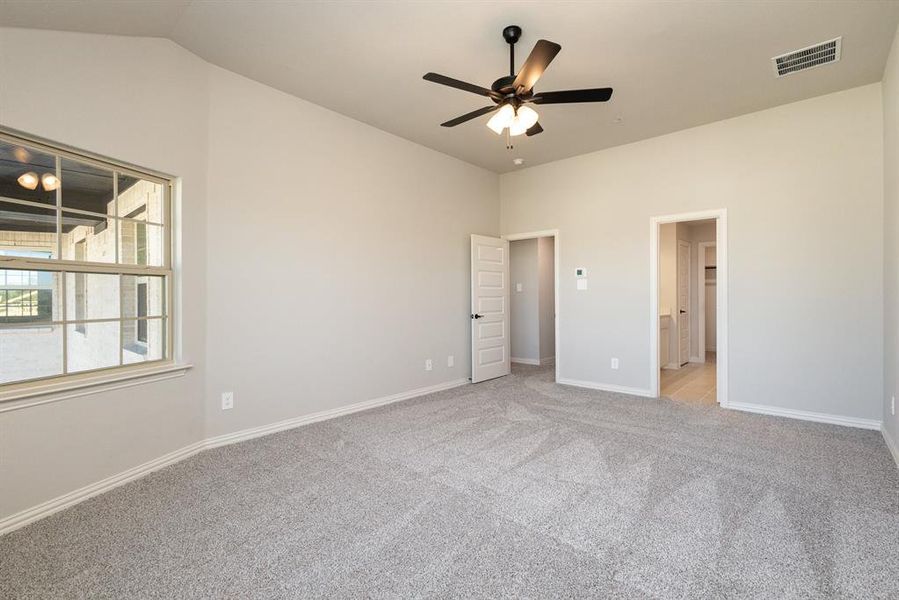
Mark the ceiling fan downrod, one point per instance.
(512, 34)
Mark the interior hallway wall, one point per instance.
(711, 300)
(524, 312)
(668, 295)
(815, 338)
(547, 293)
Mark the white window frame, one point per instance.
(76, 380)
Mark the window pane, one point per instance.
(27, 231)
(92, 296)
(140, 199)
(140, 243)
(143, 340)
(27, 174)
(94, 348)
(143, 296)
(29, 352)
(86, 187)
(88, 238)
(28, 297)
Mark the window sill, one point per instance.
(18, 396)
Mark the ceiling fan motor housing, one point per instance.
(512, 33)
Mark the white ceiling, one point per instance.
(673, 65)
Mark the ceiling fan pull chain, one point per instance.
(508, 140)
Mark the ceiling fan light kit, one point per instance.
(511, 93)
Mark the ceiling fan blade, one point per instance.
(469, 116)
(542, 54)
(534, 130)
(572, 96)
(455, 83)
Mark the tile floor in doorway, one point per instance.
(693, 383)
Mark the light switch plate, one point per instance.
(582, 284)
(518, 287)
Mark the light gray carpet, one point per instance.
(511, 488)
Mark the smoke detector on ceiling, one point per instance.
(518, 161)
(808, 58)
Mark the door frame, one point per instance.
(720, 215)
(700, 291)
(553, 233)
(681, 363)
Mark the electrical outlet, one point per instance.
(893, 405)
(614, 363)
(450, 361)
(227, 400)
(429, 365)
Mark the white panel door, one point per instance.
(683, 301)
(489, 308)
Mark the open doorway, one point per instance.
(532, 310)
(688, 303)
(533, 286)
(492, 290)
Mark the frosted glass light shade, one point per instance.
(524, 120)
(502, 119)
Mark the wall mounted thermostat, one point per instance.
(580, 272)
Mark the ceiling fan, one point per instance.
(512, 93)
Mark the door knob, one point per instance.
(477, 316)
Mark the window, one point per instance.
(85, 275)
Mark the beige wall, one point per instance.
(794, 179)
(354, 244)
(891, 237)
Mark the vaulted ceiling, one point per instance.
(673, 65)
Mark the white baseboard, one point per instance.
(697, 359)
(607, 387)
(671, 366)
(45, 509)
(804, 415)
(254, 432)
(526, 361)
(59, 503)
(892, 445)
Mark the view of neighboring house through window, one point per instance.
(25, 296)
(80, 298)
(84, 267)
